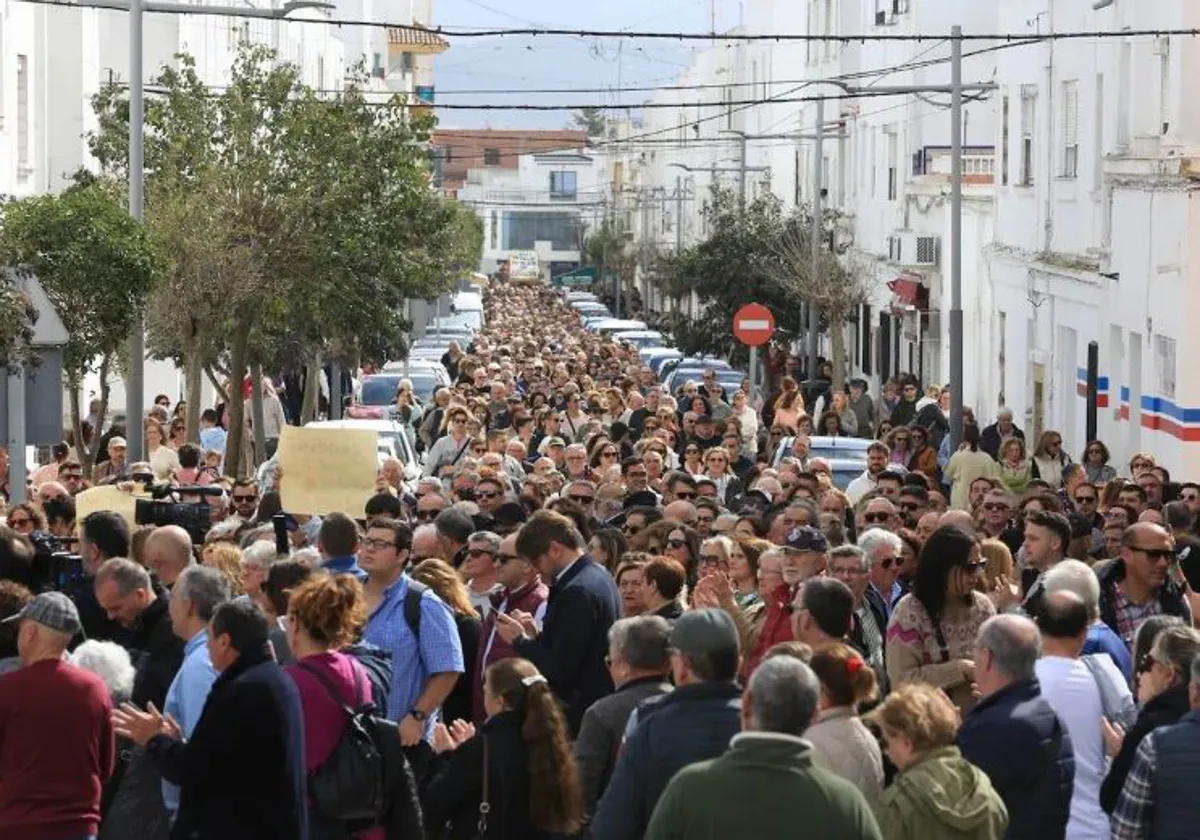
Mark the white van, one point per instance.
(467, 307)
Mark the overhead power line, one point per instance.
(779, 37)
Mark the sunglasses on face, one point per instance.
(686, 495)
(994, 507)
(608, 453)
(1189, 497)
(1146, 663)
(676, 544)
(582, 499)
(974, 568)
(427, 515)
(1155, 554)
(909, 506)
(20, 523)
(872, 518)
(239, 500)
(888, 562)
(479, 552)
(486, 494)
(1085, 500)
(632, 530)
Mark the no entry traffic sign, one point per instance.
(753, 325)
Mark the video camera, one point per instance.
(193, 517)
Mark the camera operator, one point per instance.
(102, 536)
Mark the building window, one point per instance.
(523, 230)
(1070, 129)
(1164, 366)
(377, 68)
(1004, 140)
(22, 117)
(562, 186)
(1028, 117)
(893, 173)
(407, 63)
(491, 157)
(494, 239)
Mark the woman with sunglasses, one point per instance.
(1162, 692)
(449, 450)
(1095, 463)
(692, 463)
(931, 634)
(25, 518)
(898, 445)
(717, 468)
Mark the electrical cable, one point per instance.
(778, 37)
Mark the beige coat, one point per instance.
(845, 747)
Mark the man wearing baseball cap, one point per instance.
(56, 735)
(692, 723)
(803, 554)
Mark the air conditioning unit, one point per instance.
(907, 248)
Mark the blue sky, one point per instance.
(522, 64)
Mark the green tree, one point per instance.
(591, 120)
(97, 264)
(608, 249)
(17, 319)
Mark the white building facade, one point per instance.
(1079, 220)
(547, 205)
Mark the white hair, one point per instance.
(110, 662)
(870, 541)
(260, 553)
(308, 555)
(1077, 577)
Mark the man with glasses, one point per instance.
(1138, 584)
(707, 512)
(885, 551)
(678, 486)
(997, 521)
(1152, 485)
(429, 505)
(480, 569)
(489, 494)
(244, 498)
(582, 493)
(576, 462)
(637, 520)
(912, 502)
(877, 512)
(853, 566)
(521, 590)
(70, 475)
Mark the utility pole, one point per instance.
(956, 208)
(742, 166)
(817, 227)
(135, 386)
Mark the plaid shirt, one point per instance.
(1131, 615)
(1133, 816)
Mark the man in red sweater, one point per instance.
(804, 554)
(56, 734)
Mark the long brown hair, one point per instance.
(440, 576)
(557, 793)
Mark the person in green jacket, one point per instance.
(938, 794)
(766, 786)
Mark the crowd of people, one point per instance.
(610, 611)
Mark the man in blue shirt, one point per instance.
(425, 664)
(337, 541)
(196, 595)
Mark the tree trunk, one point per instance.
(212, 377)
(84, 452)
(235, 455)
(192, 373)
(256, 414)
(312, 390)
(837, 351)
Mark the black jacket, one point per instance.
(603, 729)
(451, 799)
(458, 703)
(1164, 710)
(573, 644)
(157, 654)
(1170, 598)
(692, 723)
(1016, 738)
(242, 772)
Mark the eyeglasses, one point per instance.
(479, 552)
(974, 568)
(427, 515)
(19, 523)
(876, 517)
(691, 451)
(372, 544)
(676, 543)
(608, 453)
(1085, 500)
(888, 562)
(846, 571)
(1146, 663)
(582, 499)
(506, 558)
(459, 419)
(632, 530)
(711, 559)
(243, 499)
(686, 494)
(995, 506)
(910, 506)
(1155, 553)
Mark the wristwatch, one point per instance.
(418, 715)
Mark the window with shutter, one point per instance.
(1070, 129)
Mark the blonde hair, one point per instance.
(920, 713)
(999, 562)
(440, 576)
(226, 558)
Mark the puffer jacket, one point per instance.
(1170, 598)
(1017, 739)
(692, 723)
(942, 795)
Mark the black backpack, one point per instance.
(350, 785)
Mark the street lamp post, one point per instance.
(135, 383)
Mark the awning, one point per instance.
(416, 39)
(908, 290)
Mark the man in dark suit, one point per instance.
(242, 772)
(582, 606)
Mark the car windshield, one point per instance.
(381, 390)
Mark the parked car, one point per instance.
(841, 449)
(640, 338)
